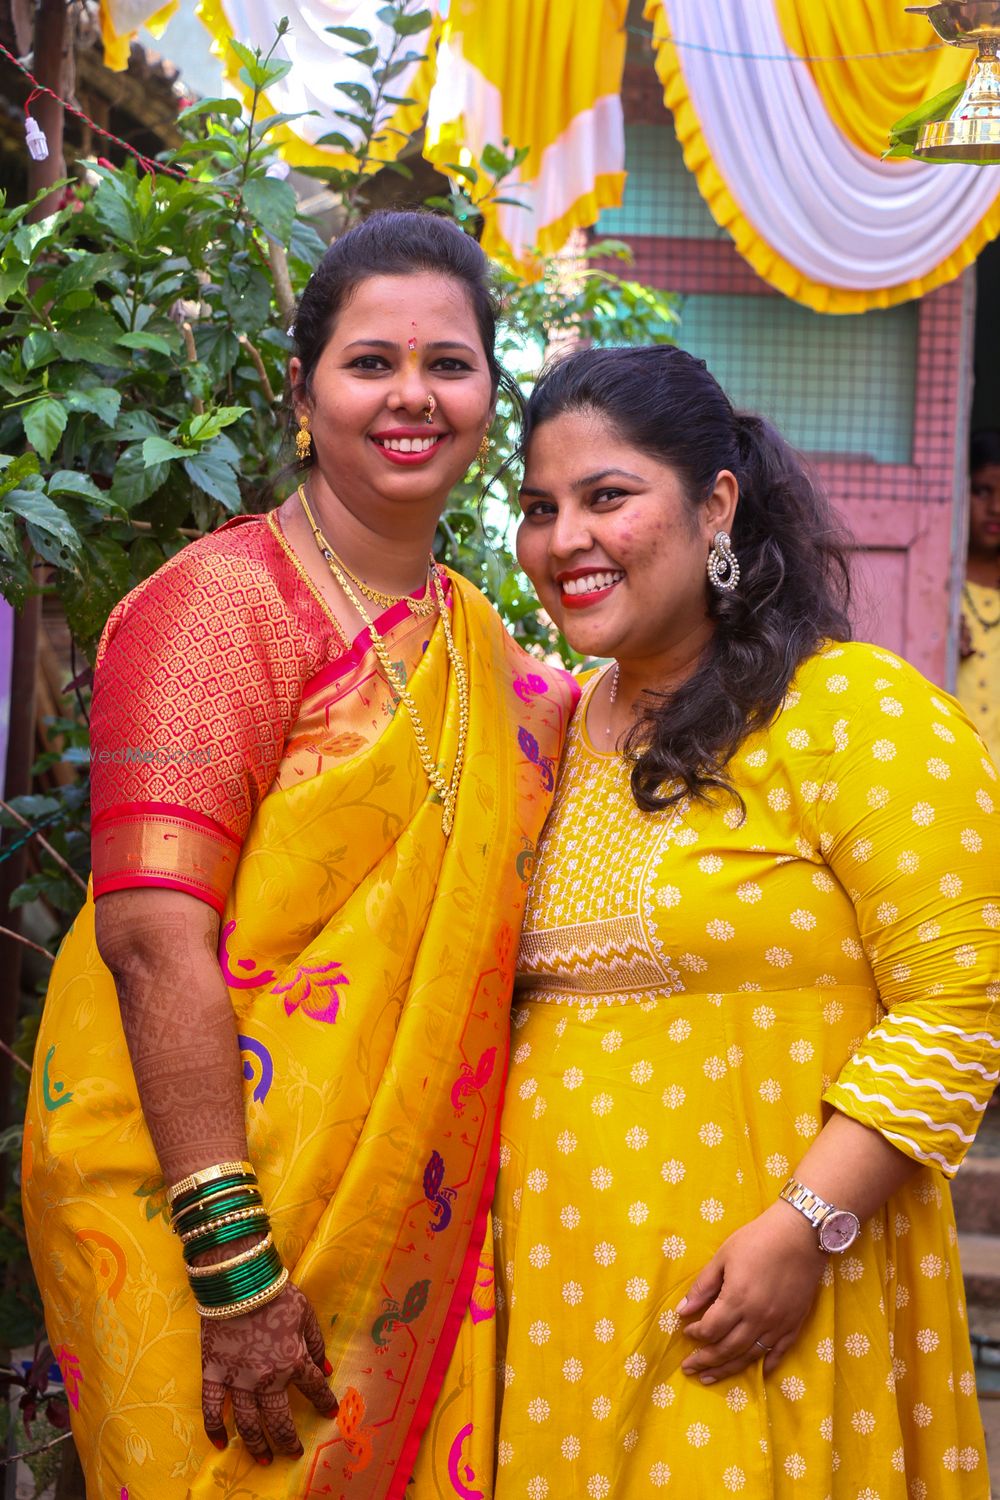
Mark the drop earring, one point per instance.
(483, 452)
(303, 439)
(723, 566)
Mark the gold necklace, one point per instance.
(986, 624)
(420, 607)
(447, 790)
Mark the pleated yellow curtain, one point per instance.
(121, 19)
(865, 94)
(545, 76)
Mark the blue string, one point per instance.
(787, 57)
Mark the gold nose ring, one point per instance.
(430, 407)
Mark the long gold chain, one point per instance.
(421, 607)
(447, 790)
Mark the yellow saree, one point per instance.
(370, 964)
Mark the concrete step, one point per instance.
(980, 1255)
(976, 1194)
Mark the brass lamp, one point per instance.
(972, 131)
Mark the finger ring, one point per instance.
(766, 1347)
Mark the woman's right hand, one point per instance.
(254, 1359)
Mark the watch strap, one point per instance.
(812, 1207)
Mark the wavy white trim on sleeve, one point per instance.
(839, 216)
(883, 1102)
(895, 1018)
(912, 1149)
(915, 1046)
(951, 1095)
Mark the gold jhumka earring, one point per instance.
(303, 439)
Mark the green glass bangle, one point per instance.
(214, 1238)
(211, 1190)
(202, 1215)
(222, 1234)
(225, 1296)
(220, 1295)
(230, 1287)
(245, 1275)
(255, 1221)
(237, 1273)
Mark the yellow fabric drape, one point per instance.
(121, 18)
(369, 961)
(866, 96)
(542, 67)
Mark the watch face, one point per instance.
(838, 1231)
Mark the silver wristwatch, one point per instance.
(837, 1228)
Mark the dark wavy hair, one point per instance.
(794, 587)
(397, 243)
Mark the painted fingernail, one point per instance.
(265, 1460)
(220, 1443)
(327, 1367)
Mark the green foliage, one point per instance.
(133, 407)
(904, 135)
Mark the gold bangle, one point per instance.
(237, 1217)
(235, 1260)
(237, 1309)
(209, 1174)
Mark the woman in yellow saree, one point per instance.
(339, 789)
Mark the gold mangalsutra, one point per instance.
(447, 790)
(419, 607)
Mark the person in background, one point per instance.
(279, 1025)
(756, 1013)
(978, 688)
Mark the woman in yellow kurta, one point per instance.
(755, 1021)
(978, 688)
(319, 770)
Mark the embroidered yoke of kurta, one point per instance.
(694, 993)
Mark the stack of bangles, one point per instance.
(211, 1208)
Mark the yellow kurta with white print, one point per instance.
(695, 992)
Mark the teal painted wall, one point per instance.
(661, 196)
(832, 384)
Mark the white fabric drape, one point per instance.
(839, 216)
(319, 61)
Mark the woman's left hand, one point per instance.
(753, 1296)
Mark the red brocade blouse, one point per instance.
(200, 674)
